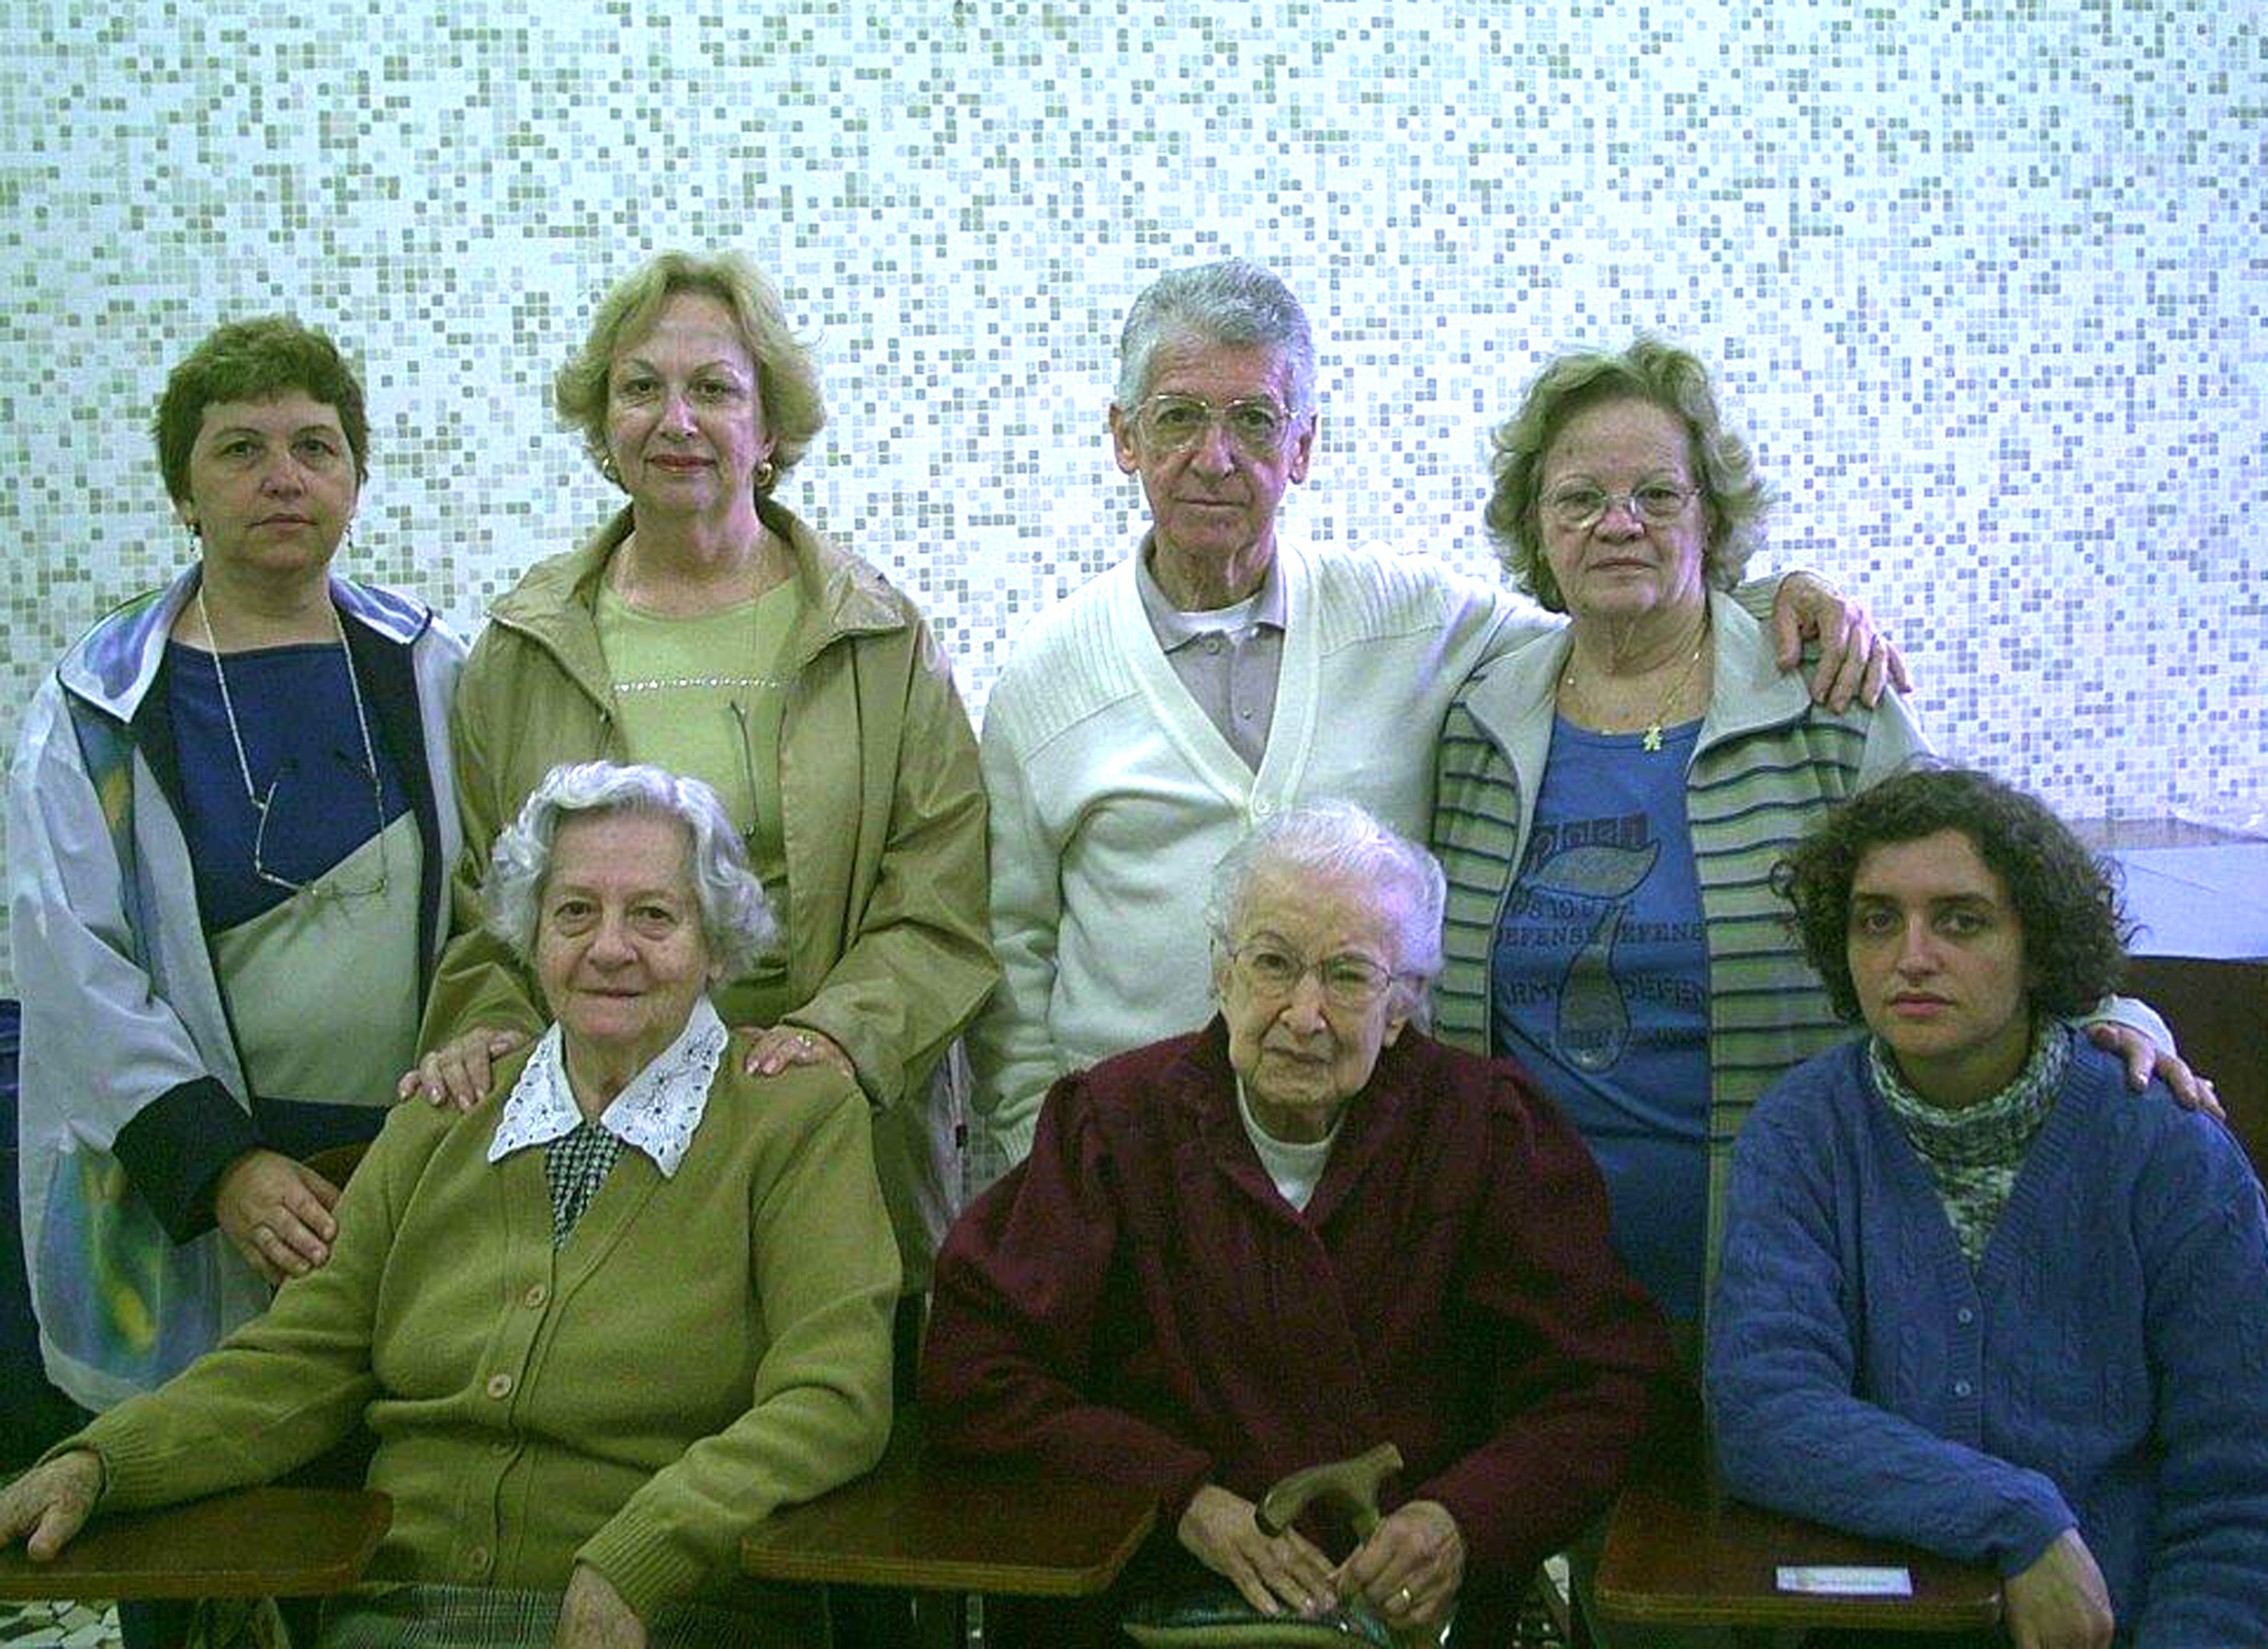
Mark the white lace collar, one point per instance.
(656, 1113)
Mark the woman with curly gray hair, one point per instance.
(1608, 805)
(541, 1497)
(708, 631)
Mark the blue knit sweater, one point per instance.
(2106, 1367)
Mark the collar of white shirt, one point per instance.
(656, 1113)
(1263, 609)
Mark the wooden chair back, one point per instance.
(2218, 1011)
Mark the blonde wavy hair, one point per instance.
(786, 378)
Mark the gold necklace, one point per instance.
(1653, 741)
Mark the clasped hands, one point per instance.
(1408, 1572)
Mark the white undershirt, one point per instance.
(1294, 1167)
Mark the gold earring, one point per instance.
(610, 469)
(766, 473)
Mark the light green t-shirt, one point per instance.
(704, 697)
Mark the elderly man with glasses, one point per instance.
(1217, 676)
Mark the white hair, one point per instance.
(736, 920)
(1339, 841)
(1235, 302)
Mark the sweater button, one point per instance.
(1964, 1317)
(535, 1296)
(500, 1385)
(1960, 1388)
(477, 1560)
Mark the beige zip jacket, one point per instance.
(883, 825)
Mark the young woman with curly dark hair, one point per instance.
(1974, 1295)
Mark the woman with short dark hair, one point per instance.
(231, 822)
(231, 826)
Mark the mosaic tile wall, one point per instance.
(1985, 283)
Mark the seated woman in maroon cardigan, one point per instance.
(1307, 1230)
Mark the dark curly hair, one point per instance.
(251, 360)
(2075, 930)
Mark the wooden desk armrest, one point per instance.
(1682, 1552)
(258, 1542)
(928, 1521)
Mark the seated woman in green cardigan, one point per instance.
(575, 1423)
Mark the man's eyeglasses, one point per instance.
(1578, 506)
(1268, 971)
(1176, 422)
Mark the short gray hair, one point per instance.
(1341, 842)
(736, 920)
(1235, 302)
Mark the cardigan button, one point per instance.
(1960, 1388)
(500, 1385)
(477, 1560)
(1964, 1317)
(535, 1296)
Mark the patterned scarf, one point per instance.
(1973, 1154)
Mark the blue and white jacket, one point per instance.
(133, 1095)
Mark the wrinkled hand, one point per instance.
(2060, 1601)
(1853, 659)
(593, 1616)
(50, 1504)
(1273, 1572)
(456, 1073)
(1410, 1568)
(769, 1051)
(2145, 1059)
(277, 1213)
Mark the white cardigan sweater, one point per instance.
(1113, 796)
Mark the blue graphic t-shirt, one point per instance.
(1600, 986)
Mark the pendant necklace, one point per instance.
(1653, 739)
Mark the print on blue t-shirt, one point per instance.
(1600, 986)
